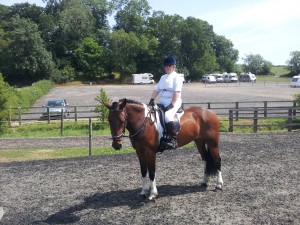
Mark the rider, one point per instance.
(169, 87)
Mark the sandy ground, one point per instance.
(261, 186)
(260, 172)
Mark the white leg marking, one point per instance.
(154, 192)
(206, 177)
(145, 186)
(219, 180)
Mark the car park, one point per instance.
(54, 107)
(247, 77)
(208, 79)
(295, 82)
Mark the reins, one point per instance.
(118, 137)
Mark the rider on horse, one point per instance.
(169, 87)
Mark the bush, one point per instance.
(11, 98)
(101, 109)
(297, 99)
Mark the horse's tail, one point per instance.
(212, 166)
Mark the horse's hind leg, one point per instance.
(212, 161)
(202, 150)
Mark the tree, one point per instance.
(124, 49)
(26, 59)
(90, 57)
(294, 62)
(76, 20)
(132, 18)
(226, 55)
(256, 64)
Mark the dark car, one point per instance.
(54, 107)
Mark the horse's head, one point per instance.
(117, 121)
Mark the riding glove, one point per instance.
(169, 107)
(151, 103)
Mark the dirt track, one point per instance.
(261, 186)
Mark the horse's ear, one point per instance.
(122, 103)
(106, 104)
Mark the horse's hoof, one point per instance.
(218, 189)
(143, 196)
(203, 186)
(151, 201)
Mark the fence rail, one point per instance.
(290, 114)
(231, 111)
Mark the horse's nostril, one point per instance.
(117, 146)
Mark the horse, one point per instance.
(197, 124)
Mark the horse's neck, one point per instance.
(135, 115)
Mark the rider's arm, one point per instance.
(175, 97)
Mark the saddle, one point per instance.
(159, 111)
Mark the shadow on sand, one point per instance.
(115, 199)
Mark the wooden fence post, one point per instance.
(48, 114)
(20, 115)
(230, 126)
(255, 118)
(294, 106)
(62, 122)
(90, 136)
(265, 109)
(290, 120)
(75, 110)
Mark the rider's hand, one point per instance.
(169, 107)
(151, 103)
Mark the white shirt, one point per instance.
(167, 85)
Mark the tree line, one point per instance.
(72, 40)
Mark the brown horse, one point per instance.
(197, 124)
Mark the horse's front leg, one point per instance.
(151, 157)
(144, 179)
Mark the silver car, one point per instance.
(54, 107)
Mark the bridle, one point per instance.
(124, 121)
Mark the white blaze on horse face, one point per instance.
(145, 186)
(219, 180)
(154, 192)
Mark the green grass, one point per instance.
(43, 129)
(45, 154)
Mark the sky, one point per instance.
(270, 28)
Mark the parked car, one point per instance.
(230, 77)
(247, 77)
(54, 107)
(209, 79)
(295, 81)
(219, 77)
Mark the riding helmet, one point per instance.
(169, 60)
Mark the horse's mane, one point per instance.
(130, 101)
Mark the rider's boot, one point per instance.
(171, 141)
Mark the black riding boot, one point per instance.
(171, 141)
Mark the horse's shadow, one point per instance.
(115, 199)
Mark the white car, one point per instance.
(54, 107)
(295, 81)
(209, 79)
(247, 77)
(230, 78)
